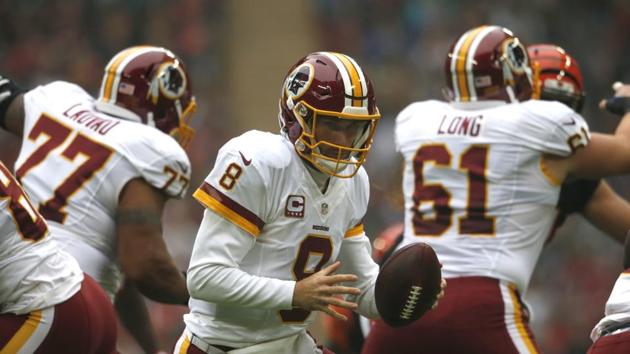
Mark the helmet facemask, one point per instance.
(514, 61)
(184, 133)
(338, 159)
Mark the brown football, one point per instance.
(407, 284)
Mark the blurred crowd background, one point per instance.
(238, 52)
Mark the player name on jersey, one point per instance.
(460, 125)
(83, 116)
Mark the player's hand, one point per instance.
(441, 294)
(620, 103)
(320, 290)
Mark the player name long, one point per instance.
(460, 125)
(83, 116)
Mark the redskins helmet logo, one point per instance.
(299, 81)
(514, 55)
(171, 80)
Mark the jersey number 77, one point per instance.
(56, 134)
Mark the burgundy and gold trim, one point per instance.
(462, 62)
(355, 85)
(221, 204)
(555, 181)
(114, 69)
(518, 311)
(355, 231)
(22, 336)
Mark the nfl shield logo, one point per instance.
(324, 208)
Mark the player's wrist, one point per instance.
(619, 105)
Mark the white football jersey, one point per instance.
(75, 161)
(475, 185)
(617, 310)
(269, 225)
(34, 273)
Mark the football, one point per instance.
(407, 284)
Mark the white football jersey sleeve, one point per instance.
(75, 161)
(617, 311)
(267, 225)
(34, 273)
(475, 184)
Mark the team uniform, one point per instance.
(45, 302)
(611, 335)
(267, 225)
(476, 190)
(74, 163)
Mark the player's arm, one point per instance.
(142, 253)
(11, 106)
(609, 212)
(606, 154)
(133, 313)
(355, 255)
(214, 274)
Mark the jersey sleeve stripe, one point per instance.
(213, 199)
(355, 231)
(550, 177)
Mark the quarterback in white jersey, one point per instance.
(281, 212)
(101, 170)
(45, 302)
(482, 177)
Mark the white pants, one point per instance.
(300, 343)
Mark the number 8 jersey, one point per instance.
(268, 225)
(74, 163)
(475, 184)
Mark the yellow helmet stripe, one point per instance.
(460, 62)
(355, 79)
(112, 68)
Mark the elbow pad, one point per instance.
(9, 90)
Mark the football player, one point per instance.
(101, 170)
(559, 78)
(47, 305)
(282, 229)
(612, 334)
(481, 182)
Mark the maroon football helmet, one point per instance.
(324, 88)
(488, 63)
(558, 75)
(149, 85)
